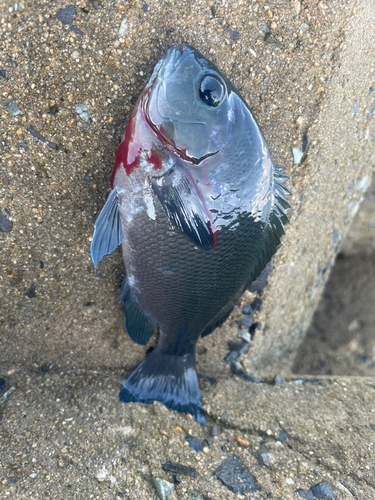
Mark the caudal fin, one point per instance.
(167, 378)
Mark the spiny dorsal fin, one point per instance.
(274, 227)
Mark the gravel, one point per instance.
(322, 490)
(163, 488)
(307, 495)
(236, 476)
(183, 470)
(194, 443)
(5, 224)
(11, 106)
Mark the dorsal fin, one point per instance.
(274, 226)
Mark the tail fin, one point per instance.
(167, 378)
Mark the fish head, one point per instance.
(190, 119)
(198, 115)
(186, 104)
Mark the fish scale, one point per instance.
(199, 209)
(212, 277)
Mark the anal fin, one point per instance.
(219, 319)
(138, 325)
(108, 233)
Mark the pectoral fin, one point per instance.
(108, 233)
(181, 202)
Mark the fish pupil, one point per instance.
(211, 91)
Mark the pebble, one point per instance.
(209, 441)
(307, 495)
(244, 335)
(236, 349)
(262, 280)
(262, 455)
(297, 156)
(123, 27)
(183, 470)
(300, 121)
(278, 380)
(247, 320)
(2, 384)
(266, 28)
(236, 476)
(83, 112)
(176, 479)
(237, 369)
(269, 38)
(65, 16)
(232, 356)
(12, 108)
(303, 27)
(234, 35)
(5, 224)
(305, 141)
(242, 441)
(163, 488)
(14, 480)
(322, 490)
(194, 443)
(255, 326)
(282, 436)
(194, 496)
(31, 292)
(145, 7)
(247, 309)
(39, 136)
(52, 110)
(215, 430)
(237, 346)
(257, 304)
(3, 73)
(356, 107)
(301, 381)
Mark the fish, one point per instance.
(199, 209)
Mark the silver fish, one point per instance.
(199, 209)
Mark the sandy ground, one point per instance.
(64, 436)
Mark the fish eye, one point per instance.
(211, 91)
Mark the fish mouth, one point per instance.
(164, 70)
